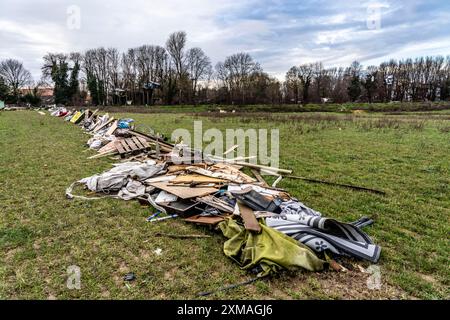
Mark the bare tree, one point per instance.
(15, 76)
(304, 73)
(240, 67)
(198, 67)
(176, 46)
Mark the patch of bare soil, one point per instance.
(338, 285)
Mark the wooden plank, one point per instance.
(165, 146)
(93, 115)
(198, 219)
(259, 177)
(250, 221)
(193, 178)
(138, 143)
(112, 128)
(99, 122)
(119, 147)
(234, 176)
(132, 145)
(104, 125)
(125, 146)
(144, 142)
(183, 192)
(111, 146)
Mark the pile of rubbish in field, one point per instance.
(267, 229)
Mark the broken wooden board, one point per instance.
(209, 221)
(216, 203)
(259, 178)
(235, 176)
(182, 167)
(184, 192)
(108, 147)
(196, 178)
(98, 122)
(93, 115)
(112, 128)
(232, 170)
(97, 129)
(250, 221)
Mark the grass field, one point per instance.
(274, 108)
(42, 233)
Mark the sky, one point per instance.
(277, 33)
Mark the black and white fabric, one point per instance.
(322, 234)
(296, 207)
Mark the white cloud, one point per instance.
(279, 33)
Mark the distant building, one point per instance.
(45, 93)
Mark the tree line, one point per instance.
(175, 74)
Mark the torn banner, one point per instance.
(322, 234)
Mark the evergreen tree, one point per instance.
(4, 90)
(370, 85)
(354, 89)
(74, 85)
(445, 90)
(60, 78)
(93, 89)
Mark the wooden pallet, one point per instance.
(131, 145)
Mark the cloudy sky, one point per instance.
(278, 33)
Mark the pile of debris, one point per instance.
(267, 229)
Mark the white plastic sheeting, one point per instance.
(125, 178)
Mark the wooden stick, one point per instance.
(259, 177)
(257, 166)
(104, 154)
(337, 184)
(181, 236)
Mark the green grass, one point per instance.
(42, 233)
(311, 107)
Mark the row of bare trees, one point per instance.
(420, 79)
(175, 74)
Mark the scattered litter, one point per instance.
(181, 236)
(163, 218)
(129, 277)
(266, 228)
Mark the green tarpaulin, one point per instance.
(270, 249)
(2, 104)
